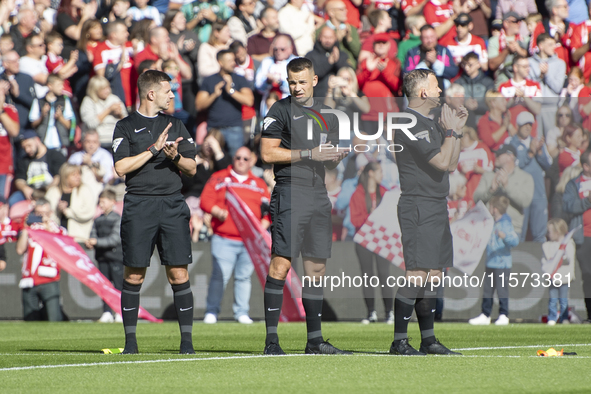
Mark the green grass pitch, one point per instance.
(66, 358)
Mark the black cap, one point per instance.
(512, 14)
(506, 148)
(463, 19)
(28, 134)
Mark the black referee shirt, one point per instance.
(417, 176)
(134, 135)
(289, 123)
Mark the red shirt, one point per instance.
(530, 88)
(458, 206)
(337, 229)
(476, 155)
(562, 46)
(487, 126)
(54, 64)
(406, 5)
(436, 13)
(584, 190)
(379, 86)
(472, 44)
(584, 99)
(368, 46)
(106, 53)
(38, 268)
(358, 207)
(246, 70)
(6, 162)
(579, 38)
(568, 158)
(253, 191)
(8, 231)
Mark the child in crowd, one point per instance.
(106, 241)
(498, 263)
(172, 69)
(532, 21)
(55, 63)
(6, 43)
(52, 116)
(144, 11)
(90, 36)
(119, 12)
(457, 203)
(557, 230)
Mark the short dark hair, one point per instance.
(222, 53)
(51, 78)
(235, 45)
(516, 59)
(468, 57)
(108, 194)
(149, 80)
(543, 37)
(426, 27)
(300, 64)
(145, 65)
(375, 16)
(111, 26)
(500, 202)
(52, 36)
(29, 39)
(413, 80)
(585, 157)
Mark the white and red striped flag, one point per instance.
(552, 266)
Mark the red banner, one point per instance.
(72, 259)
(258, 245)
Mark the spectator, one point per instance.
(218, 40)
(73, 203)
(554, 142)
(533, 157)
(556, 208)
(475, 159)
(188, 46)
(52, 116)
(520, 86)
(432, 56)
(577, 204)
(557, 27)
(142, 11)
(159, 49)
(55, 62)
(22, 87)
(117, 12)
(441, 15)
(475, 84)
(570, 94)
(344, 94)
(550, 72)
(170, 67)
(140, 34)
(6, 45)
(521, 8)
(202, 14)
(503, 48)
(271, 75)
(494, 127)
(259, 45)
(71, 17)
(327, 59)
(9, 129)
(298, 23)
(366, 198)
(243, 24)
(557, 230)
(27, 25)
(510, 181)
(571, 154)
(210, 158)
(33, 63)
(113, 59)
(228, 250)
(223, 95)
(347, 35)
(381, 22)
(105, 239)
(480, 11)
(413, 24)
(580, 49)
(41, 274)
(101, 110)
(245, 68)
(95, 158)
(465, 42)
(90, 36)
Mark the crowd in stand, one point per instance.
(69, 72)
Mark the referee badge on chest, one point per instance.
(323, 138)
(424, 135)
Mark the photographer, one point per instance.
(41, 274)
(344, 94)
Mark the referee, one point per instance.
(424, 166)
(152, 149)
(300, 208)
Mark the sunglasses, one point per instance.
(280, 49)
(564, 115)
(242, 158)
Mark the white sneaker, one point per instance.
(480, 320)
(244, 319)
(210, 318)
(551, 322)
(118, 318)
(106, 317)
(503, 320)
(390, 319)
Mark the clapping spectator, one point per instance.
(327, 59)
(71, 17)
(475, 84)
(101, 110)
(465, 42)
(347, 35)
(573, 140)
(73, 203)
(503, 47)
(556, 25)
(33, 63)
(243, 24)
(55, 62)
(202, 14)
(142, 11)
(495, 126)
(218, 40)
(381, 22)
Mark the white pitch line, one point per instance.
(523, 347)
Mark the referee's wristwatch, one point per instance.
(177, 158)
(306, 154)
(152, 149)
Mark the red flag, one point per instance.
(72, 259)
(258, 244)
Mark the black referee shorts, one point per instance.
(301, 222)
(426, 236)
(149, 221)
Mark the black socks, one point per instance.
(183, 303)
(425, 310)
(130, 304)
(273, 300)
(312, 299)
(403, 306)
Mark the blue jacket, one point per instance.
(535, 166)
(576, 207)
(498, 251)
